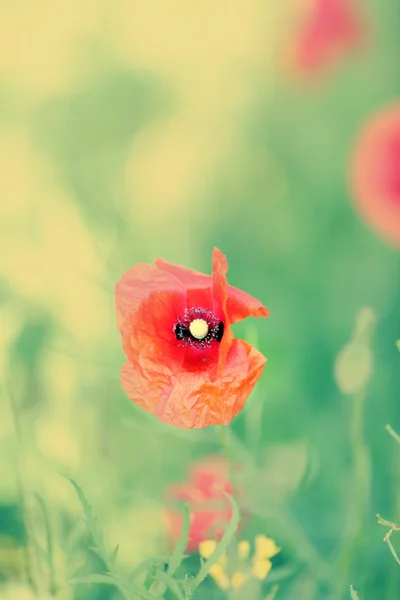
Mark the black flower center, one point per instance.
(198, 328)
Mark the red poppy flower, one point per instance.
(327, 30)
(209, 508)
(183, 364)
(375, 173)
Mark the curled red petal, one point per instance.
(239, 304)
(220, 294)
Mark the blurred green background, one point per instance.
(131, 130)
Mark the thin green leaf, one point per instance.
(354, 595)
(148, 562)
(92, 524)
(392, 432)
(127, 587)
(150, 577)
(171, 583)
(108, 579)
(222, 546)
(134, 589)
(272, 593)
(97, 578)
(114, 554)
(180, 547)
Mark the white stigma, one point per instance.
(199, 329)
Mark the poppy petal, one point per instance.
(205, 492)
(375, 173)
(185, 380)
(220, 293)
(240, 305)
(148, 335)
(327, 30)
(137, 284)
(190, 399)
(187, 492)
(189, 278)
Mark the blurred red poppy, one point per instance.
(375, 173)
(209, 508)
(326, 31)
(183, 364)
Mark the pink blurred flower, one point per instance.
(327, 30)
(204, 492)
(375, 173)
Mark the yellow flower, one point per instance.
(238, 579)
(206, 548)
(243, 549)
(219, 575)
(261, 568)
(264, 549)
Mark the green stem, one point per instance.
(49, 543)
(29, 559)
(225, 445)
(359, 491)
(360, 458)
